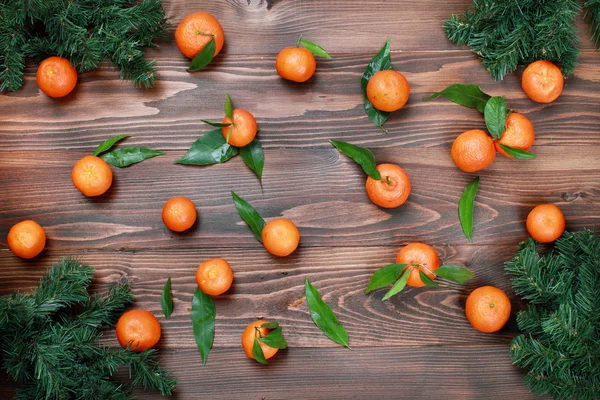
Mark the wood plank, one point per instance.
(266, 26)
(320, 189)
(265, 286)
(420, 372)
(290, 115)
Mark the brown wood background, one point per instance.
(418, 344)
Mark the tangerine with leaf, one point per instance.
(388, 90)
(392, 190)
(418, 257)
(195, 31)
(261, 340)
(519, 134)
(298, 64)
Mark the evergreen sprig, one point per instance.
(87, 32)
(505, 33)
(560, 341)
(49, 340)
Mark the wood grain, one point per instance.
(320, 189)
(289, 115)
(273, 288)
(420, 372)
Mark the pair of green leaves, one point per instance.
(381, 61)
(361, 155)
(213, 148)
(494, 111)
(313, 48)
(250, 215)
(324, 317)
(125, 156)
(398, 274)
(272, 339)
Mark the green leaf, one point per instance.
(427, 280)
(323, 316)
(209, 148)
(380, 62)
(385, 276)
(250, 215)
(361, 155)
(270, 325)
(274, 339)
(257, 352)
(465, 207)
(108, 144)
(399, 285)
(454, 273)
(204, 57)
(203, 322)
(517, 153)
(215, 124)
(166, 301)
(253, 156)
(129, 155)
(228, 108)
(314, 48)
(495, 116)
(464, 94)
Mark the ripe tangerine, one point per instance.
(280, 237)
(388, 90)
(473, 150)
(138, 329)
(393, 190)
(542, 81)
(519, 134)
(214, 277)
(179, 214)
(92, 176)
(252, 331)
(26, 239)
(421, 257)
(487, 309)
(195, 31)
(296, 64)
(546, 223)
(56, 76)
(243, 130)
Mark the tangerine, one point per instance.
(393, 190)
(388, 90)
(280, 237)
(473, 150)
(252, 331)
(179, 214)
(214, 277)
(56, 76)
(487, 309)
(542, 81)
(419, 257)
(296, 64)
(242, 130)
(195, 31)
(92, 176)
(138, 329)
(546, 223)
(26, 239)
(519, 134)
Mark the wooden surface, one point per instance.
(416, 345)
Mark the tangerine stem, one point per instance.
(298, 41)
(205, 34)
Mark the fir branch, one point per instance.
(49, 340)
(87, 32)
(560, 340)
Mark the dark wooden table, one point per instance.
(416, 345)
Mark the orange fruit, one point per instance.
(214, 277)
(295, 64)
(280, 237)
(542, 81)
(421, 257)
(388, 90)
(253, 330)
(487, 309)
(195, 31)
(138, 329)
(26, 239)
(545, 223)
(518, 134)
(473, 150)
(92, 176)
(179, 214)
(56, 76)
(393, 190)
(243, 130)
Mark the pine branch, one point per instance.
(49, 340)
(560, 344)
